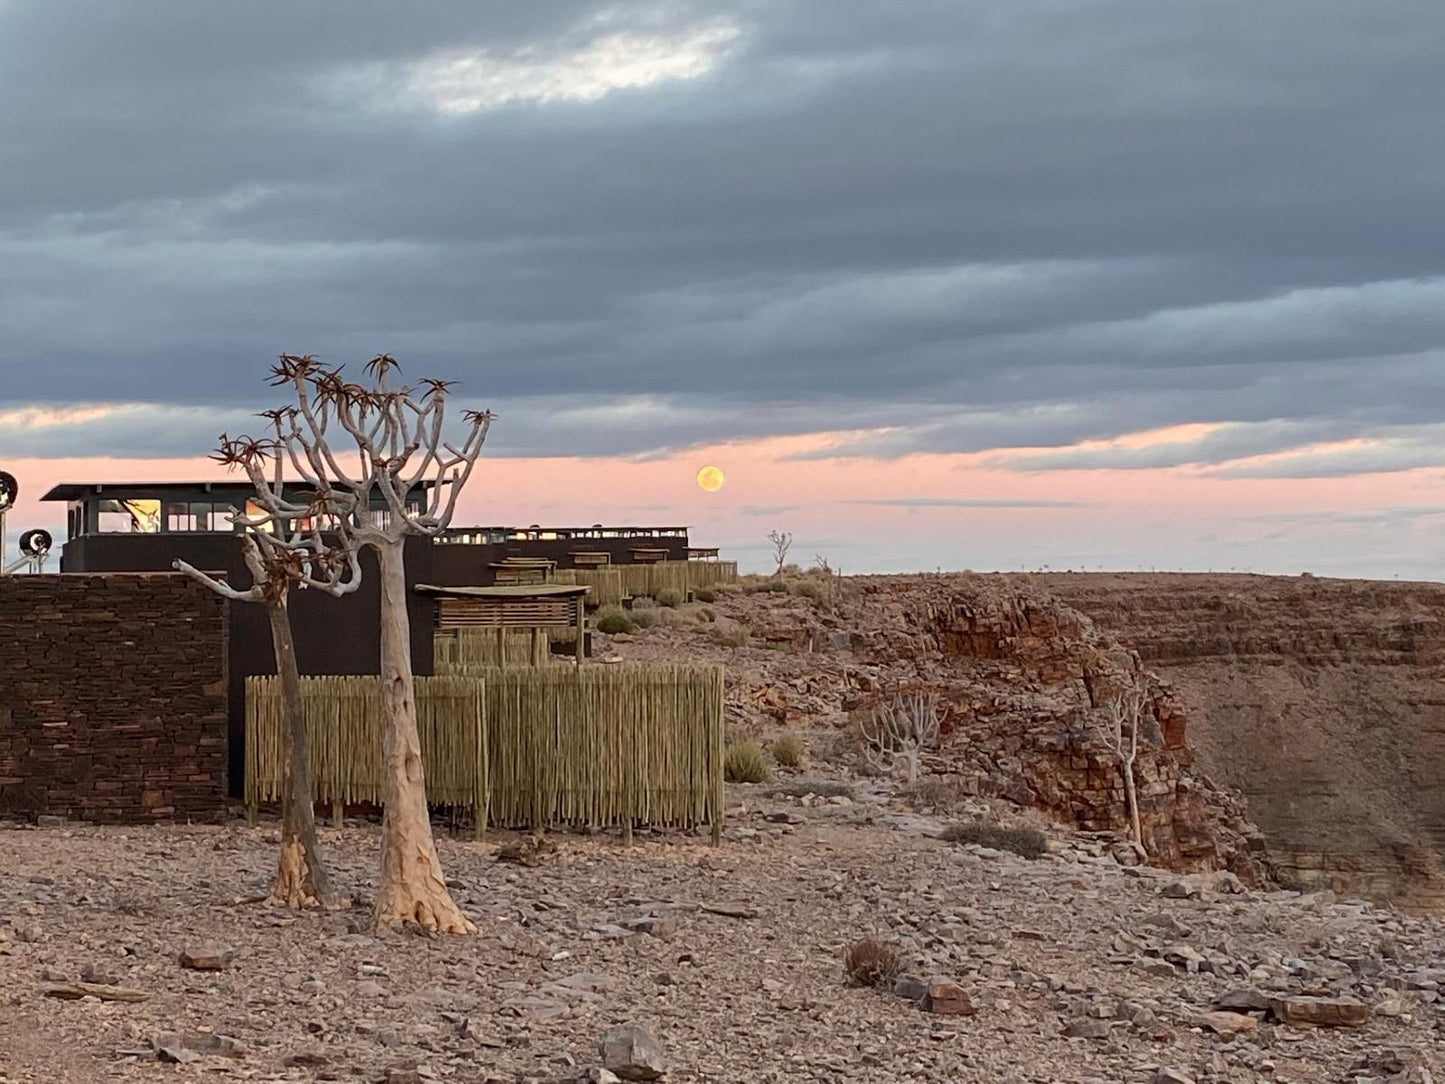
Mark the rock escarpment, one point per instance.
(1026, 681)
(1029, 682)
(1322, 700)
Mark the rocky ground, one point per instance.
(1070, 967)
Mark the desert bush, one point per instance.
(809, 589)
(939, 792)
(705, 594)
(646, 617)
(706, 614)
(732, 635)
(871, 962)
(644, 602)
(745, 762)
(670, 597)
(787, 751)
(1025, 842)
(612, 619)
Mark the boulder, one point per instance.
(1320, 1012)
(207, 957)
(632, 1053)
(1226, 1023)
(947, 999)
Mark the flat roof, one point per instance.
(539, 590)
(74, 491)
(556, 530)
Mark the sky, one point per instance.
(936, 283)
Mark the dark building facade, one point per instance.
(146, 526)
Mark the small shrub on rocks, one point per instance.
(644, 602)
(788, 751)
(937, 793)
(1025, 842)
(645, 618)
(732, 636)
(612, 620)
(809, 589)
(670, 597)
(871, 962)
(745, 762)
(672, 618)
(705, 594)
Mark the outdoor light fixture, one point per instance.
(34, 548)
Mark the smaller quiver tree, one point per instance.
(393, 446)
(898, 731)
(782, 542)
(284, 549)
(1118, 729)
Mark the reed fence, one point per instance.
(679, 576)
(519, 747)
(605, 584)
(468, 647)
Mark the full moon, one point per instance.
(710, 479)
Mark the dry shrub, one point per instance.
(644, 602)
(706, 614)
(809, 589)
(705, 594)
(644, 618)
(612, 619)
(672, 618)
(732, 635)
(788, 751)
(1024, 842)
(940, 792)
(745, 762)
(670, 597)
(871, 962)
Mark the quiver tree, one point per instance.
(782, 542)
(898, 731)
(377, 440)
(284, 550)
(1118, 728)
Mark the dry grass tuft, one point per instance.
(745, 762)
(612, 620)
(871, 962)
(1024, 842)
(788, 751)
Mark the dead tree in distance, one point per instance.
(284, 550)
(899, 730)
(782, 542)
(1118, 729)
(394, 445)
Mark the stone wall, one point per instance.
(112, 698)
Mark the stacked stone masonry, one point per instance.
(112, 698)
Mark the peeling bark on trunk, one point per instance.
(413, 888)
(1132, 797)
(301, 879)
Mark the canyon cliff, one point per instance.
(1321, 700)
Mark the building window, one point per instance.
(142, 516)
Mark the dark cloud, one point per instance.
(964, 226)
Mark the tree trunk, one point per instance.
(1132, 798)
(413, 888)
(301, 879)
